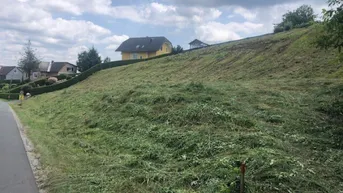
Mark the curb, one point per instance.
(29, 148)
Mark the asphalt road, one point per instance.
(15, 171)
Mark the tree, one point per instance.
(107, 59)
(29, 61)
(301, 17)
(177, 49)
(332, 35)
(88, 59)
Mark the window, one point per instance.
(134, 56)
(141, 57)
(166, 49)
(161, 48)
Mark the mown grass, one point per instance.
(181, 123)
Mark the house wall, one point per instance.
(68, 69)
(151, 54)
(15, 74)
(166, 49)
(128, 56)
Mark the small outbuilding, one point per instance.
(197, 44)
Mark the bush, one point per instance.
(9, 96)
(32, 84)
(288, 26)
(41, 82)
(4, 86)
(278, 29)
(61, 77)
(10, 81)
(26, 89)
(69, 77)
(52, 80)
(303, 25)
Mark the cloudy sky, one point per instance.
(60, 29)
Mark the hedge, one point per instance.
(81, 77)
(36, 82)
(9, 81)
(11, 96)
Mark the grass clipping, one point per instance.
(188, 137)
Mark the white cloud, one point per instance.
(114, 39)
(76, 7)
(214, 32)
(54, 38)
(112, 47)
(247, 14)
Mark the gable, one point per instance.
(4, 70)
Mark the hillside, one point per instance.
(180, 123)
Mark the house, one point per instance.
(144, 47)
(12, 73)
(48, 69)
(197, 44)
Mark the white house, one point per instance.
(48, 69)
(12, 73)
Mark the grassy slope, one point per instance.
(178, 124)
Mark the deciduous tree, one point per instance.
(88, 59)
(332, 34)
(29, 60)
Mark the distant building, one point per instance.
(197, 44)
(48, 69)
(144, 47)
(12, 73)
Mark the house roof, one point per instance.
(57, 66)
(196, 41)
(43, 66)
(4, 70)
(142, 44)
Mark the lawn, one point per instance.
(181, 123)
(187, 137)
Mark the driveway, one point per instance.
(15, 171)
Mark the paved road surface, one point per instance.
(15, 171)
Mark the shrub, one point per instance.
(61, 77)
(32, 84)
(303, 25)
(9, 96)
(10, 81)
(41, 82)
(288, 26)
(52, 80)
(278, 29)
(26, 89)
(4, 86)
(69, 77)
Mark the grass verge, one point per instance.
(187, 137)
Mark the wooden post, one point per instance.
(243, 168)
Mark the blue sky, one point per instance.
(59, 30)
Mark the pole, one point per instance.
(243, 169)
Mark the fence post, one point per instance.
(243, 169)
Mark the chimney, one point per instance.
(52, 61)
(150, 40)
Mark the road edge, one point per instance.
(34, 159)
